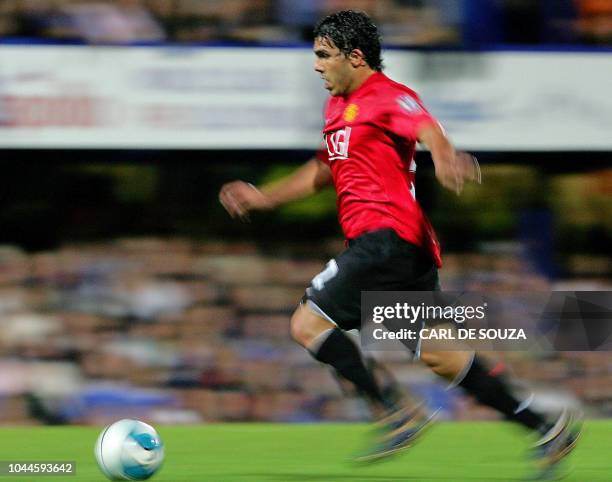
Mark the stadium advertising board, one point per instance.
(245, 98)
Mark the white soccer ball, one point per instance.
(129, 450)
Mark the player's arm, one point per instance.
(239, 197)
(452, 168)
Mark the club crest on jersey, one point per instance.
(338, 143)
(409, 104)
(351, 112)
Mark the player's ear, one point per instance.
(357, 58)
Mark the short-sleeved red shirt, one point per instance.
(371, 137)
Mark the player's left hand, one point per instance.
(463, 167)
(466, 168)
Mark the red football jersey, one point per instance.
(371, 137)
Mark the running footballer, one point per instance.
(371, 128)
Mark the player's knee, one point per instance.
(434, 361)
(446, 364)
(444, 370)
(300, 329)
(306, 326)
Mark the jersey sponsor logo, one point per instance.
(338, 143)
(351, 112)
(409, 104)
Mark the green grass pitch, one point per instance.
(450, 452)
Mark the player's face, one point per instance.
(333, 65)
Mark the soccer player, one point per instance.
(372, 126)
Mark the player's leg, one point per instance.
(411, 270)
(467, 370)
(374, 261)
(330, 345)
(399, 427)
(490, 387)
(332, 306)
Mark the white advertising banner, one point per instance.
(265, 98)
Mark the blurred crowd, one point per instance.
(183, 331)
(402, 22)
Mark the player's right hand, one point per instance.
(239, 198)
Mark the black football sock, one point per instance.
(338, 351)
(493, 391)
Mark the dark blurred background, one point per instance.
(402, 22)
(125, 290)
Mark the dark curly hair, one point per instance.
(350, 30)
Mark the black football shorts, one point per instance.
(375, 261)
